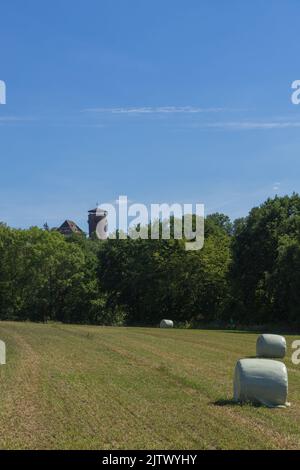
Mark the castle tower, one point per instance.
(98, 223)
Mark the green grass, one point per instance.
(84, 387)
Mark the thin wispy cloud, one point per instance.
(154, 110)
(12, 119)
(251, 125)
(276, 186)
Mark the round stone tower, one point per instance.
(98, 223)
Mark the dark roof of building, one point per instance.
(69, 227)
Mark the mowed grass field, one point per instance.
(87, 387)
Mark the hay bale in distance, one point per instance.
(263, 381)
(2, 353)
(271, 346)
(166, 324)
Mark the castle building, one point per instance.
(97, 221)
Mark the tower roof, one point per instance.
(97, 211)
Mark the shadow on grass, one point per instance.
(227, 402)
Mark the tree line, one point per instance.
(248, 272)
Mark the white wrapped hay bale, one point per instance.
(271, 346)
(261, 381)
(2, 353)
(166, 324)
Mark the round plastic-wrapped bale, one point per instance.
(261, 381)
(2, 352)
(271, 346)
(166, 324)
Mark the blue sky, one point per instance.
(162, 101)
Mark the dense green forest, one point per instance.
(247, 273)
